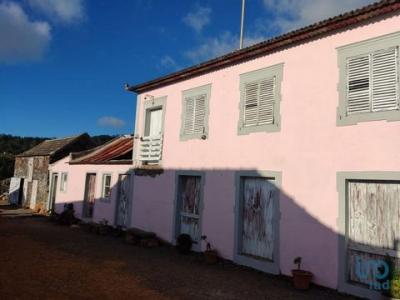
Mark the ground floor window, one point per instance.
(106, 186)
(64, 181)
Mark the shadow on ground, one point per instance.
(41, 260)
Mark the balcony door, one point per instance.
(151, 143)
(154, 125)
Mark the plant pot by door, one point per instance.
(301, 279)
(210, 257)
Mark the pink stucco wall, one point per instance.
(309, 150)
(76, 188)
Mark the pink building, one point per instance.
(97, 182)
(286, 148)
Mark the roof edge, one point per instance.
(285, 40)
(72, 137)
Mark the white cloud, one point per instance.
(213, 47)
(169, 63)
(21, 39)
(198, 18)
(65, 11)
(109, 121)
(293, 14)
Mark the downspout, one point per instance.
(135, 134)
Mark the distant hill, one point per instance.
(11, 145)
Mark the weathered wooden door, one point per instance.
(88, 205)
(373, 226)
(53, 191)
(189, 206)
(123, 200)
(259, 196)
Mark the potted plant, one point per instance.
(103, 228)
(210, 255)
(184, 243)
(301, 278)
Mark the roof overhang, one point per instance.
(290, 39)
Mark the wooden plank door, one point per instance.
(123, 200)
(53, 191)
(189, 206)
(88, 205)
(373, 226)
(258, 217)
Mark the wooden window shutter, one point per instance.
(199, 114)
(189, 115)
(385, 80)
(266, 101)
(358, 84)
(195, 113)
(372, 82)
(259, 102)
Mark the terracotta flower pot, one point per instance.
(301, 279)
(210, 257)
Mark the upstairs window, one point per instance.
(195, 113)
(369, 81)
(260, 100)
(372, 82)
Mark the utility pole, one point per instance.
(242, 24)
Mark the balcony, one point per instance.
(151, 149)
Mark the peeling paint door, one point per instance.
(258, 209)
(88, 205)
(373, 226)
(189, 206)
(53, 191)
(123, 200)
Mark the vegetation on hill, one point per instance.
(12, 145)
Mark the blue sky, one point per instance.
(63, 63)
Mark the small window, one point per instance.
(195, 113)
(260, 100)
(64, 181)
(106, 186)
(369, 81)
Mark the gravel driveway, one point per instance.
(42, 260)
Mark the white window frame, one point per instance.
(103, 186)
(367, 47)
(64, 182)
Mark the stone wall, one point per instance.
(40, 173)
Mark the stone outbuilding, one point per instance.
(29, 186)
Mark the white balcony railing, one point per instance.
(151, 148)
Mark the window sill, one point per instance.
(389, 116)
(242, 130)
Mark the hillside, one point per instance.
(11, 145)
